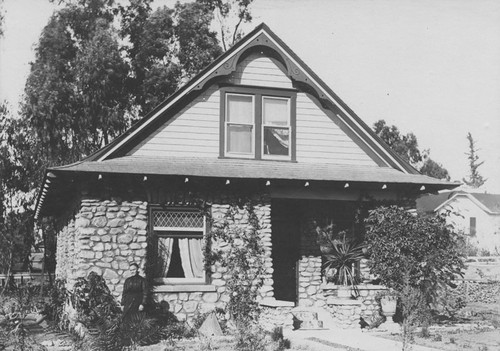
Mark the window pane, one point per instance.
(276, 141)
(240, 109)
(275, 111)
(180, 258)
(239, 139)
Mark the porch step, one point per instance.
(306, 319)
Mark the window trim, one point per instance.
(258, 93)
(159, 231)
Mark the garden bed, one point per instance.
(479, 331)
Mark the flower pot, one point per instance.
(388, 304)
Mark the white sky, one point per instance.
(431, 67)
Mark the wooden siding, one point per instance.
(194, 131)
(320, 140)
(263, 71)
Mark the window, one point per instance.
(179, 250)
(472, 226)
(275, 126)
(240, 128)
(258, 123)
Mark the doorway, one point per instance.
(285, 224)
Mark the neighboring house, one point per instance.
(477, 215)
(257, 123)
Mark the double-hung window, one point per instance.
(258, 123)
(275, 127)
(179, 251)
(240, 125)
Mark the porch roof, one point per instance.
(253, 169)
(58, 179)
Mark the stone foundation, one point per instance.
(276, 314)
(345, 312)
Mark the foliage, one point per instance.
(277, 337)
(475, 180)
(415, 250)
(451, 301)
(17, 304)
(345, 254)
(414, 311)
(93, 300)
(406, 146)
(115, 335)
(250, 336)
(16, 239)
(244, 260)
(231, 14)
(1, 18)
(58, 297)
(433, 168)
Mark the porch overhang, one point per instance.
(61, 182)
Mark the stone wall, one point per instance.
(105, 237)
(347, 313)
(310, 280)
(185, 304)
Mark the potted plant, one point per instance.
(388, 303)
(339, 264)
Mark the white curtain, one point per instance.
(191, 257)
(164, 254)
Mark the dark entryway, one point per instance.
(285, 221)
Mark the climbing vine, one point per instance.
(241, 253)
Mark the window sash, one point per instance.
(231, 136)
(269, 124)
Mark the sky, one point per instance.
(431, 67)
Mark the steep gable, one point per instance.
(261, 40)
(195, 129)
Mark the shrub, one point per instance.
(250, 336)
(93, 300)
(406, 248)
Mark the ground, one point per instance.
(479, 333)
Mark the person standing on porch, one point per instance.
(134, 293)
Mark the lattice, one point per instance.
(178, 219)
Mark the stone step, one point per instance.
(306, 319)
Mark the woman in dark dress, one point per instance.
(134, 293)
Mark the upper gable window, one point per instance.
(258, 123)
(240, 125)
(275, 126)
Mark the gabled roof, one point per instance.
(489, 203)
(113, 157)
(261, 36)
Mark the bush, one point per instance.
(93, 300)
(421, 251)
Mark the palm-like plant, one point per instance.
(344, 255)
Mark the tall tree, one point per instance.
(475, 180)
(198, 45)
(406, 146)
(1, 18)
(433, 168)
(231, 14)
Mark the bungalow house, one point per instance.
(477, 215)
(255, 124)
